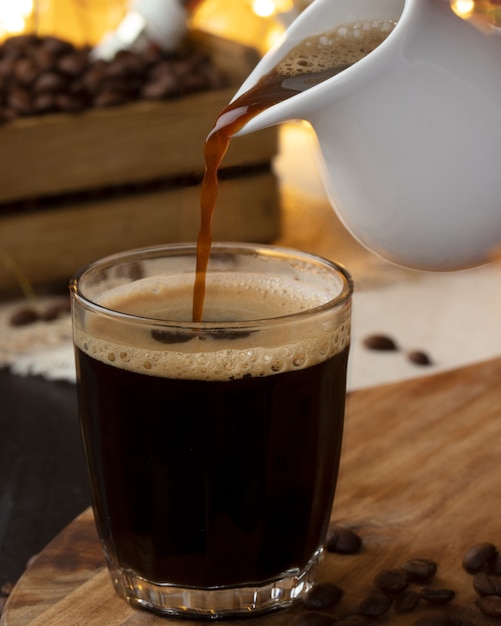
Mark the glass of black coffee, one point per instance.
(213, 447)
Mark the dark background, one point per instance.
(43, 481)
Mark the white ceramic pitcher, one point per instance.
(410, 135)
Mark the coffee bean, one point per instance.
(433, 620)
(20, 43)
(163, 87)
(72, 63)
(342, 540)
(193, 82)
(380, 342)
(44, 103)
(23, 317)
(486, 585)
(161, 69)
(44, 58)
(6, 589)
(68, 104)
(490, 606)
(323, 595)
(418, 357)
(94, 77)
(374, 604)
(25, 72)
(437, 597)
(315, 618)
(420, 570)
(19, 100)
(391, 581)
(478, 556)
(108, 98)
(50, 81)
(407, 601)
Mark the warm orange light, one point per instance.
(14, 16)
(226, 17)
(463, 8)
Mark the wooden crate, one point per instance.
(150, 155)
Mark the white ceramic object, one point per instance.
(410, 135)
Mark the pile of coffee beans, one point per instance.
(385, 343)
(40, 75)
(401, 590)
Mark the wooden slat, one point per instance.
(51, 244)
(55, 154)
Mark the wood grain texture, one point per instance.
(52, 244)
(54, 154)
(419, 478)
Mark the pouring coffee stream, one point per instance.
(409, 130)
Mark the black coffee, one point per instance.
(215, 468)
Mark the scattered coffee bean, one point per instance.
(323, 595)
(407, 601)
(490, 606)
(6, 589)
(374, 604)
(315, 618)
(418, 357)
(380, 342)
(342, 540)
(23, 317)
(437, 597)
(391, 581)
(420, 570)
(486, 585)
(478, 556)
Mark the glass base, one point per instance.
(218, 602)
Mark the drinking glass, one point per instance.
(213, 447)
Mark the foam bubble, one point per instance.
(341, 47)
(205, 357)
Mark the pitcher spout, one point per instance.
(303, 64)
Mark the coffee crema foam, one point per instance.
(257, 354)
(343, 46)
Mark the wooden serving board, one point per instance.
(420, 477)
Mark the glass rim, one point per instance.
(176, 249)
